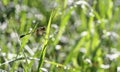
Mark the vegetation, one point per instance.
(59, 36)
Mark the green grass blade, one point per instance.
(42, 56)
(74, 50)
(63, 24)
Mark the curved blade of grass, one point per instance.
(23, 42)
(63, 24)
(45, 42)
(74, 50)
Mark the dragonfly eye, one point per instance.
(42, 28)
(40, 31)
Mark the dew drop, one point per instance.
(57, 65)
(65, 67)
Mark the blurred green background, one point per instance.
(79, 35)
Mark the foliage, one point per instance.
(59, 35)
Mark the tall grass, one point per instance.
(80, 36)
(46, 41)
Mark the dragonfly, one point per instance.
(38, 32)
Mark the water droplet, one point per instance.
(57, 65)
(65, 67)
